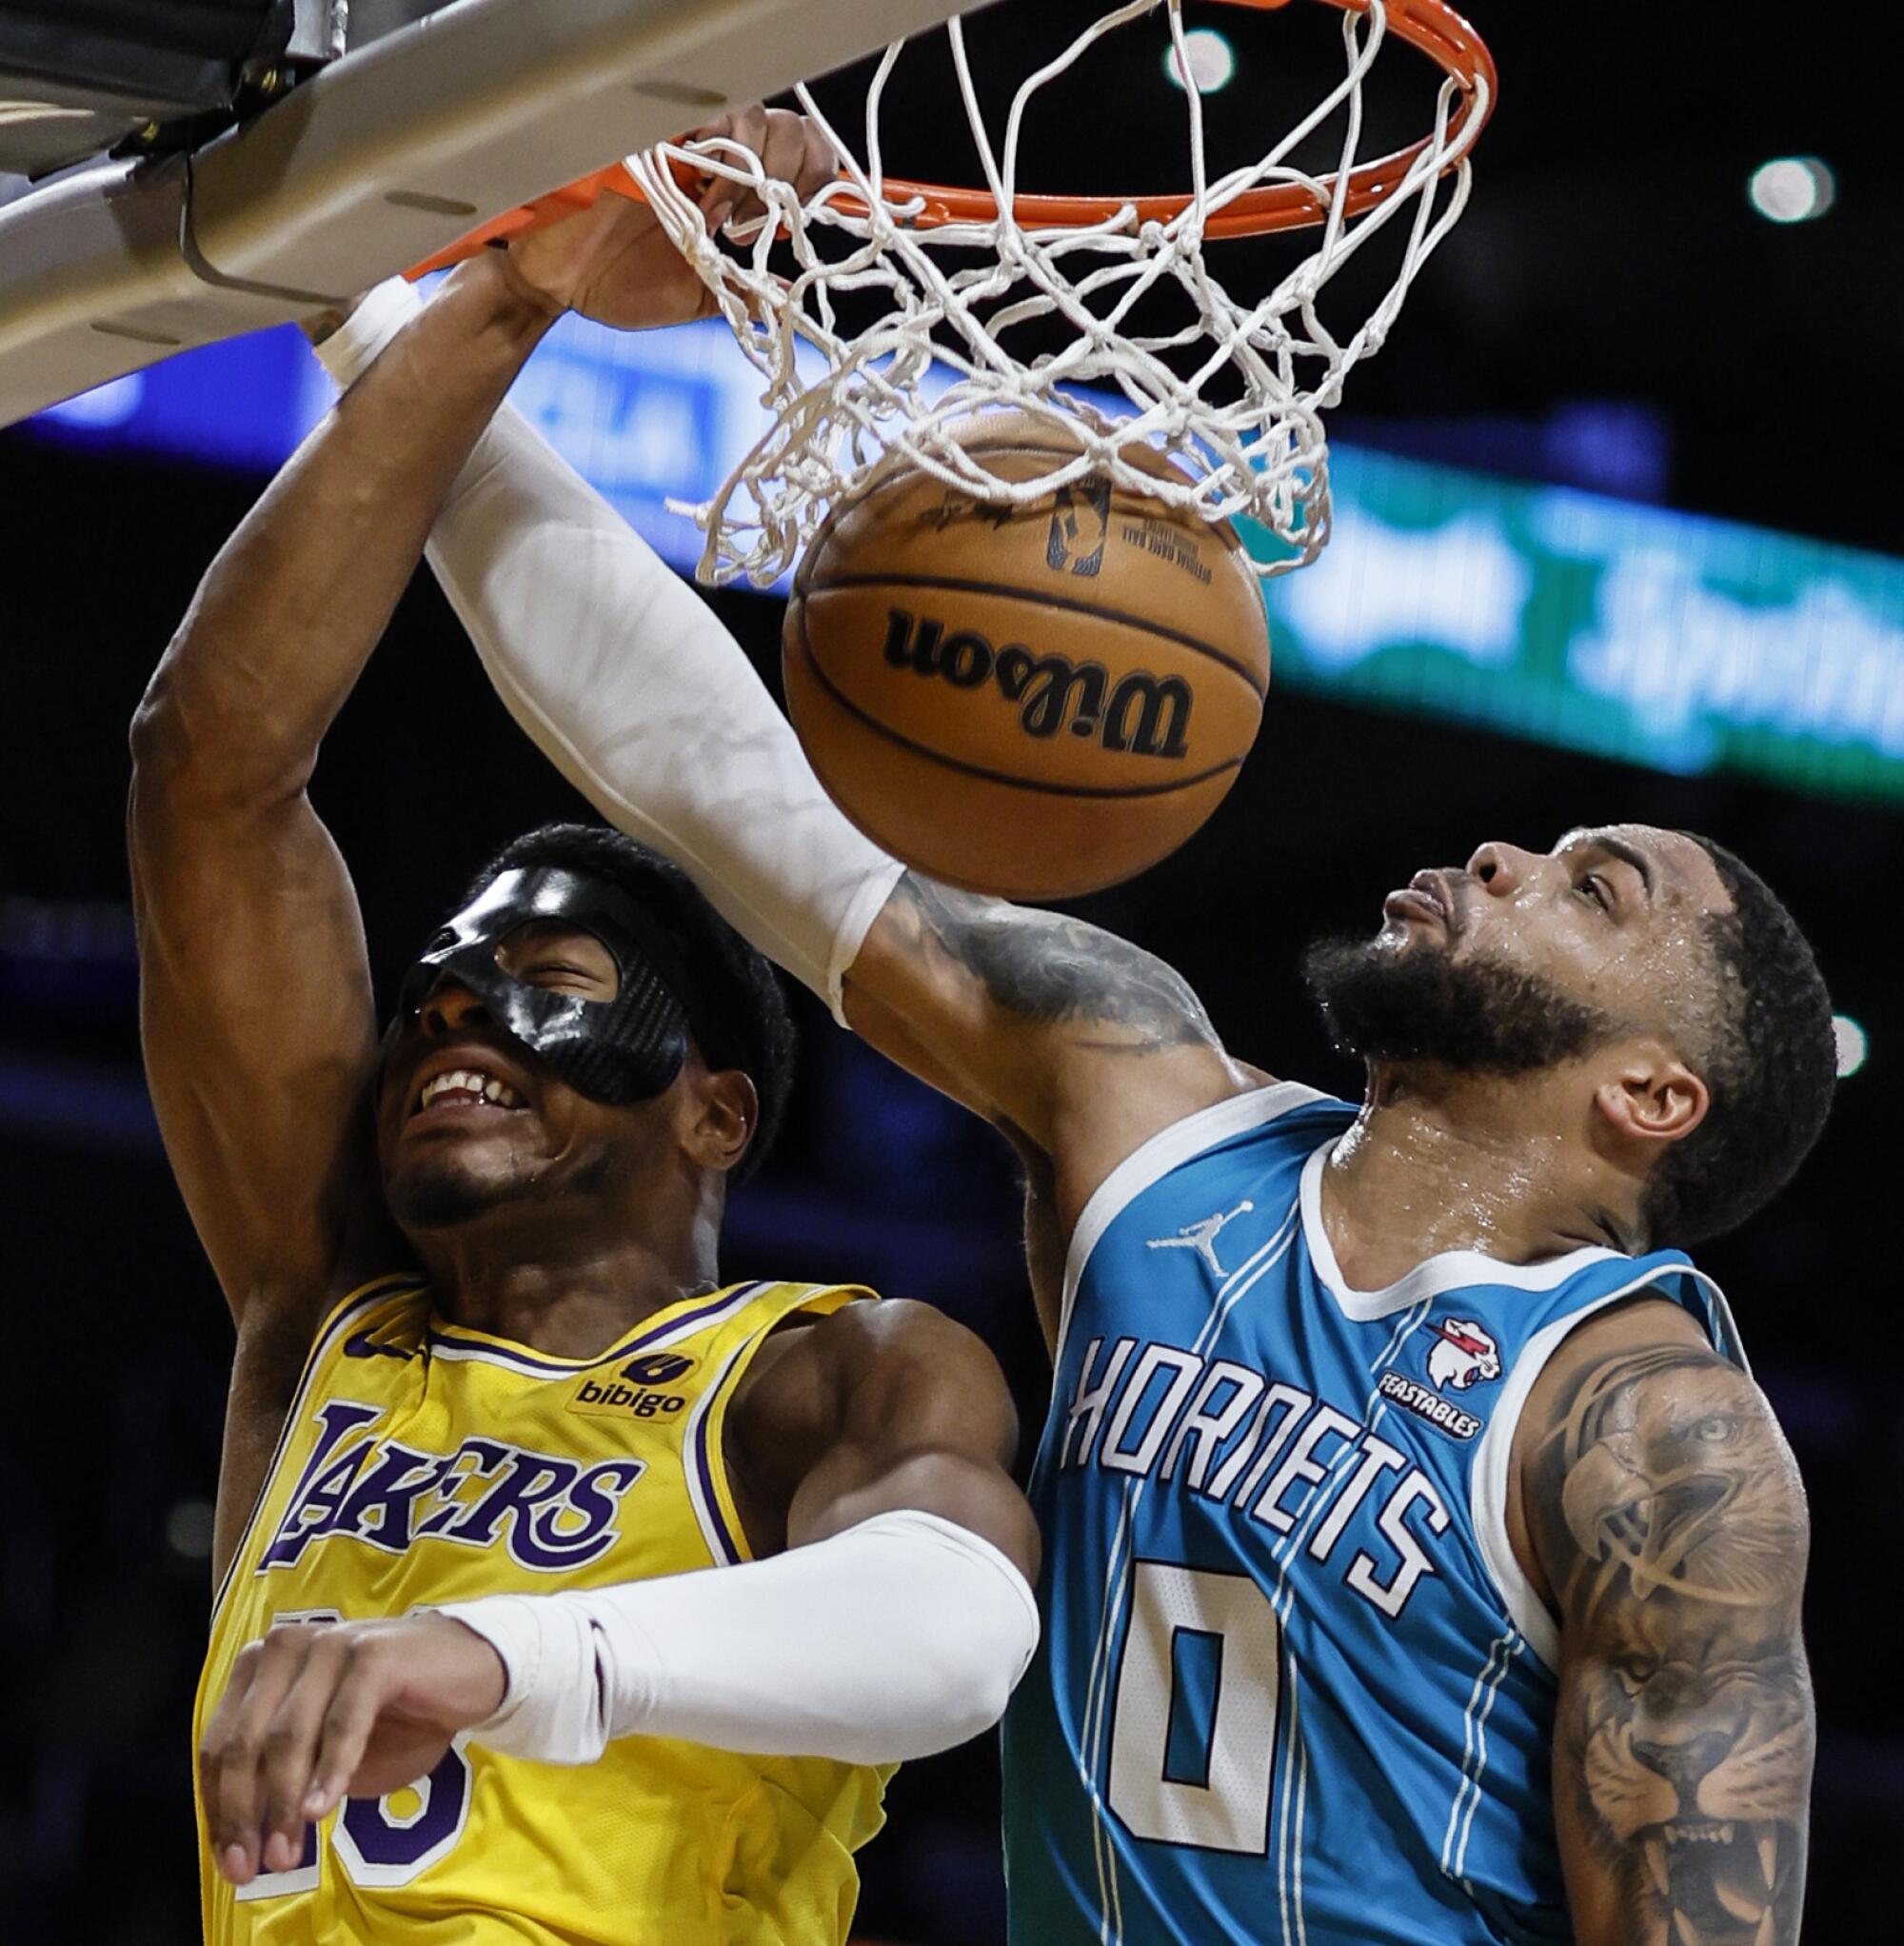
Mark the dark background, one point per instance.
(1611, 257)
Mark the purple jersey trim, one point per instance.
(708, 1311)
(704, 1458)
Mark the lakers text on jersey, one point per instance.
(423, 1462)
(1294, 1686)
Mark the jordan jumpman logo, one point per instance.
(1201, 1236)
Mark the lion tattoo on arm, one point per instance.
(1669, 1512)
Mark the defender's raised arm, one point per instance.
(632, 687)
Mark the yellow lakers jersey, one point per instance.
(422, 1462)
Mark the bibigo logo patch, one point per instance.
(635, 1391)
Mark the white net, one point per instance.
(1005, 312)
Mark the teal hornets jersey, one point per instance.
(1294, 1686)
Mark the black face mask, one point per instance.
(616, 1051)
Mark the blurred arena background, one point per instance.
(1612, 511)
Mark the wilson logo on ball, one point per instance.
(1140, 713)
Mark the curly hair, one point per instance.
(745, 1021)
(1771, 1069)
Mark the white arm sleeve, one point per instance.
(624, 678)
(903, 1636)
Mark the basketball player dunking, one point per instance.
(1420, 1561)
(484, 1362)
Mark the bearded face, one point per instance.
(1383, 1002)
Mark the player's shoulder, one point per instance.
(1263, 1121)
(1642, 1421)
(868, 1336)
(817, 1376)
(1266, 1128)
(865, 1380)
(1649, 1345)
(740, 1317)
(388, 1313)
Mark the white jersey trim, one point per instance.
(1154, 1158)
(1449, 1270)
(1488, 1479)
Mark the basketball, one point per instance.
(1034, 700)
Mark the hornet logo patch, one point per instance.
(1462, 1355)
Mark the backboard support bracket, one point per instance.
(375, 162)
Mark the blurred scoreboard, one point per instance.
(1665, 639)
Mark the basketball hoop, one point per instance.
(1429, 26)
(1233, 394)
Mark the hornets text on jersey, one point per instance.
(423, 1462)
(1294, 1685)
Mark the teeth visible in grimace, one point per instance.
(472, 1082)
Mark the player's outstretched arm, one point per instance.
(256, 1009)
(1670, 1520)
(891, 1615)
(258, 1024)
(1078, 1044)
(257, 1016)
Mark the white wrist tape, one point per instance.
(381, 313)
(634, 690)
(903, 1636)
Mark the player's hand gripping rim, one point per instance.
(609, 258)
(614, 262)
(319, 1711)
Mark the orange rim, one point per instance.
(567, 201)
(1431, 27)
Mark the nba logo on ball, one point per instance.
(1135, 628)
(1081, 518)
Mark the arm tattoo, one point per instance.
(1672, 1519)
(1050, 968)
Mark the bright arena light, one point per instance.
(1854, 1043)
(1213, 61)
(1795, 189)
